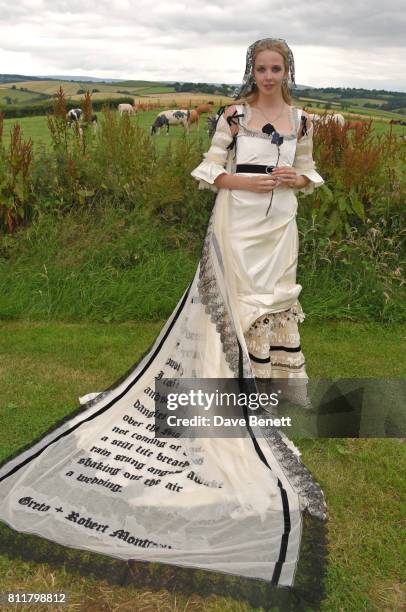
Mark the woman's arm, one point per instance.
(214, 161)
(308, 179)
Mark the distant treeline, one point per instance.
(13, 78)
(47, 106)
(396, 103)
(206, 88)
(354, 92)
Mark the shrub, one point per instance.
(364, 178)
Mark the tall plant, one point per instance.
(363, 173)
(15, 192)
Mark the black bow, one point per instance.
(234, 118)
(231, 119)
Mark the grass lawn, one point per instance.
(44, 367)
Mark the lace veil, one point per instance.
(248, 78)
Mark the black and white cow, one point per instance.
(73, 115)
(172, 117)
(160, 122)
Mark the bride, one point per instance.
(103, 480)
(272, 162)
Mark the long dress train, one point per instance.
(100, 481)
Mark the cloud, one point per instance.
(204, 41)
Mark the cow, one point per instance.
(160, 122)
(357, 126)
(204, 108)
(73, 115)
(194, 118)
(126, 108)
(336, 117)
(94, 123)
(174, 117)
(354, 125)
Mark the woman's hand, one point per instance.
(285, 175)
(260, 184)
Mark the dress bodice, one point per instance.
(255, 147)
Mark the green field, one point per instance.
(136, 88)
(36, 127)
(362, 101)
(320, 100)
(17, 96)
(363, 479)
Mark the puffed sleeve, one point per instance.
(214, 161)
(304, 163)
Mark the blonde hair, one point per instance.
(279, 47)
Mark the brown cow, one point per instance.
(357, 126)
(205, 108)
(194, 118)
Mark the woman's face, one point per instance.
(269, 71)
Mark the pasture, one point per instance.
(142, 91)
(36, 127)
(17, 96)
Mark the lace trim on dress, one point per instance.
(248, 131)
(214, 304)
(278, 319)
(299, 476)
(310, 492)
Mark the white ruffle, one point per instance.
(304, 163)
(215, 160)
(207, 172)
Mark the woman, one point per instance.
(272, 144)
(102, 481)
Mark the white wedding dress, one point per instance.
(102, 482)
(265, 246)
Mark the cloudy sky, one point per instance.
(349, 43)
